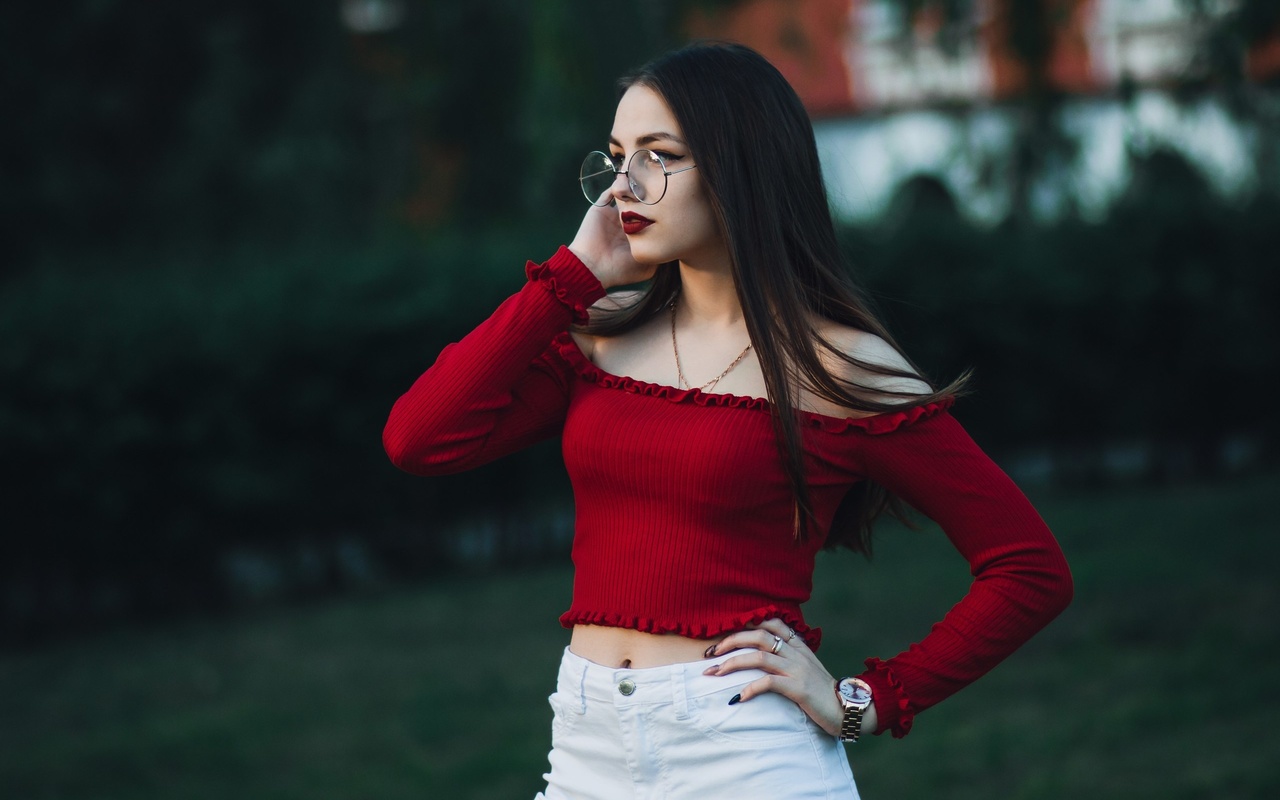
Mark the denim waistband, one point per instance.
(626, 686)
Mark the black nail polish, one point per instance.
(733, 701)
(710, 651)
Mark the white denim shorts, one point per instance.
(669, 733)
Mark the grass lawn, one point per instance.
(1154, 684)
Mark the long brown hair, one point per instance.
(753, 143)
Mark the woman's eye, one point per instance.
(665, 156)
(616, 159)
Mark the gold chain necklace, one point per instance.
(683, 381)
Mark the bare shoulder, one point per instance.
(872, 350)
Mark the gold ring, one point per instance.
(777, 645)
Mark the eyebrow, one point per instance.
(650, 138)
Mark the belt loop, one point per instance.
(679, 698)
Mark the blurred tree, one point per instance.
(1040, 143)
(1222, 64)
(207, 122)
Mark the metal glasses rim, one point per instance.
(666, 173)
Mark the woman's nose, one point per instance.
(621, 187)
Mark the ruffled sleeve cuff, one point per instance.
(894, 710)
(569, 280)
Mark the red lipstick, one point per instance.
(633, 223)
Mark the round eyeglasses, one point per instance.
(646, 174)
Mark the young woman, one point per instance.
(720, 424)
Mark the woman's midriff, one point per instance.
(623, 647)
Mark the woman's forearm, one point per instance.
(488, 395)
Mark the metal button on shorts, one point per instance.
(627, 687)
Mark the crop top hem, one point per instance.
(875, 425)
(705, 630)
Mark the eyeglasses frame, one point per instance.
(666, 173)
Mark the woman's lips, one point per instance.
(633, 223)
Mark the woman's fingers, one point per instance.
(756, 659)
(765, 637)
(735, 641)
(793, 670)
(802, 680)
(769, 683)
(777, 627)
(602, 245)
(768, 652)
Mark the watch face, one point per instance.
(854, 693)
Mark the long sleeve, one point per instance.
(499, 389)
(1020, 577)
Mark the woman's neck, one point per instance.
(708, 295)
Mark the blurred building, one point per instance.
(1040, 104)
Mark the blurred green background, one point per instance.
(234, 232)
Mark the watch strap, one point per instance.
(851, 724)
(851, 721)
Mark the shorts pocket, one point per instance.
(567, 711)
(766, 718)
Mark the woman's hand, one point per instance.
(603, 247)
(795, 672)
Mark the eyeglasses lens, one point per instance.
(647, 179)
(597, 176)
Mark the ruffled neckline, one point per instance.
(876, 424)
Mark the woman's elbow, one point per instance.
(1057, 587)
(399, 450)
(419, 455)
(1064, 590)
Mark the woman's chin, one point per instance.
(645, 253)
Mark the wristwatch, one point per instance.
(855, 697)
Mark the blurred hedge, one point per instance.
(168, 421)
(158, 417)
(1156, 326)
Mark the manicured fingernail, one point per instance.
(711, 670)
(710, 651)
(733, 701)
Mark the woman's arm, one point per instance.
(1021, 580)
(498, 389)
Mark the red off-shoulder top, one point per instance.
(684, 515)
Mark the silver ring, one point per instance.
(792, 636)
(777, 645)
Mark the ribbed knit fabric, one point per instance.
(684, 518)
